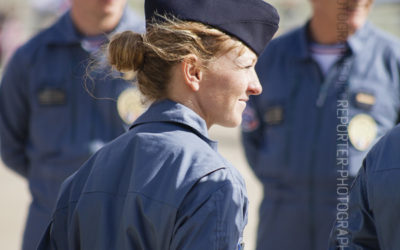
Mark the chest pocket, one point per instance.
(50, 117)
(56, 85)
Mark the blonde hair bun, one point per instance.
(126, 51)
(152, 55)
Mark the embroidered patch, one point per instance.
(241, 244)
(274, 115)
(249, 119)
(364, 100)
(362, 131)
(51, 96)
(129, 105)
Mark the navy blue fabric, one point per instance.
(254, 22)
(374, 201)
(49, 124)
(294, 153)
(162, 185)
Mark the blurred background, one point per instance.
(20, 19)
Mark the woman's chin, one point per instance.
(231, 123)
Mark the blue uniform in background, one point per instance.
(162, 185)
(374, 203)
(49, 124)
(290, 131)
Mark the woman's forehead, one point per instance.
(241, 53)
(239, 56)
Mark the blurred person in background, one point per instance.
(49, 123)
(337, 69)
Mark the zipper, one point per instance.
(323, 93)
(328, 82)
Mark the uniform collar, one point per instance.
(65, 32)
(358, 40)
(303, 37)
(173, 112)
(355, 42)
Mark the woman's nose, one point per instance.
(254, 87)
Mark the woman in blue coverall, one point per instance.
(163, 185)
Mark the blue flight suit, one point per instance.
(372, 219)
(49, 123)
(290, 131)
(162, 185)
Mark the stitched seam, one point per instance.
(116, 195)
(384, 170)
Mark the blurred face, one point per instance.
(100, 8)
(353, 12)
(357, 12)
(227, 84)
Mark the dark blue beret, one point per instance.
(254, 22)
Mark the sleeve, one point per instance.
(252, 132)
(14, 116)
(56, 234)
(356, 230)
(215, 223)
(46, 243)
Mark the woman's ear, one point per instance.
(192, 72)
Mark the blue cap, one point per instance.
(254, 22)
